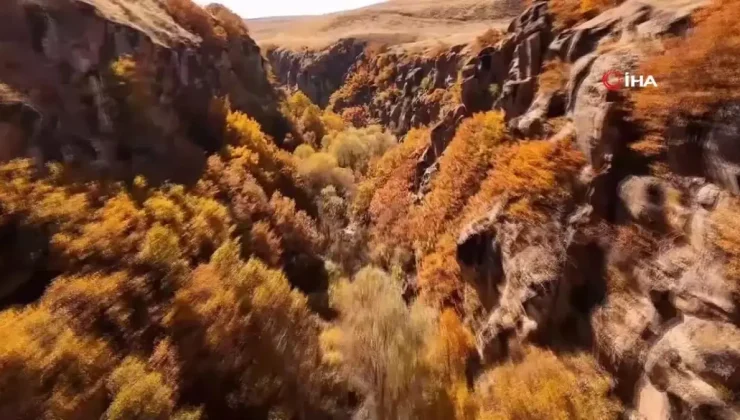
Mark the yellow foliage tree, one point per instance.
(358, 148)
(161, 247)
(47, 370)
(307, 116)
(265, 243)
(381, 170)
(230, 307)
(138, 394)
(333, 123)
(297, 229)
(274, 169)
(110, 305)
(546, 386)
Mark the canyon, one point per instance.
(502, 181)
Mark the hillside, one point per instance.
(413, 24)
(462, 222)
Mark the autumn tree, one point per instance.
(358, 148)
(536, 177)
(321, 169)
(272, 167)
(142, 394)
(697, 73)
(461, 169)
(307, 116)
(197, 20)
(47, 370)
(379, 343)
(242, 326)
(382, 169)
(544, 385)
(448, 355)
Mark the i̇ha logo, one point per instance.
(615, 80)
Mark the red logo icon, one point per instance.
(613, 80)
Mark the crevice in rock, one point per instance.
(38, 25)
(664, 305)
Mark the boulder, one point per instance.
(533, 122)
(622, 327)
(691, 281)
(594, 109)
(644, 198)
(650, 403)
(708, 195)
(516, 97)
(528, 302)
(698, 363)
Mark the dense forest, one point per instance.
(303, 270)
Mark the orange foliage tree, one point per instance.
(461, 169)
(696, 73)
(230, 307)
(535, 176)
(403, 155)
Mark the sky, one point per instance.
(250, 9)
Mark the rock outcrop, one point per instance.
(70, 71)
(667, 325)
(707, 147)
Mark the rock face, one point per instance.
(666, 322)
(668, 330)
(594, 109)
(63, 99)
(529, 36)
(689, 360)
(318, 73)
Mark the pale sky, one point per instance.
(250, 9)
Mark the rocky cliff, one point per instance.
(317, 73)
(664, 318)
(630, 266)
(76, 76)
